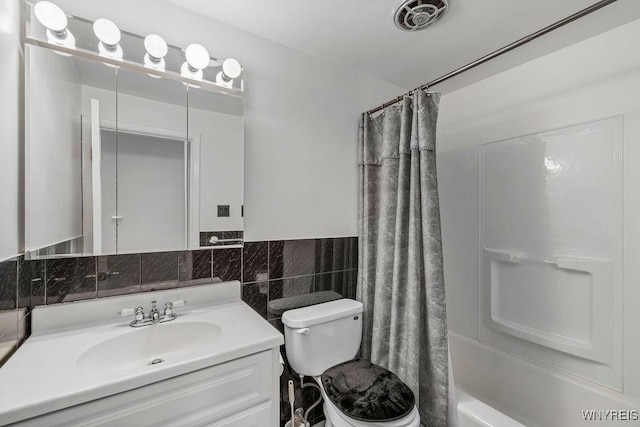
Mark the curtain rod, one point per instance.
(584, 12)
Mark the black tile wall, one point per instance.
(256, 296)
(288, 268)
(194, 267)
(227, 264)
(8, 285)
(330, 257)
(32, 277)
(14, 303)
(255, 260)
(303, 257)
(291, 286)
(118, 275)
(70, 279)
(8, 311)
(159, 270)
(26, 281)
(284, 268)
(50, 281)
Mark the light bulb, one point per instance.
(231, 69)
(156, 51)
(197, 59)
(197, 56)
(55, 21)
(109, 35)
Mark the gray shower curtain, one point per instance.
(400, 271)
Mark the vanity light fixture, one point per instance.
(109, 35)
(197, 59)
(55, 21)
(231, 69)
(156, 51)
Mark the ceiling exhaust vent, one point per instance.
(414, 15)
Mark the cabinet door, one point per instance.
(193, 399)
(257, 416)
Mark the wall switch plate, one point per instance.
(223, 211)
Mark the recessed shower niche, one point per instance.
(121, 158)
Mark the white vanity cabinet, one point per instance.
(236, 393)
(216, 364)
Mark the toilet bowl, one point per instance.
(325, 338)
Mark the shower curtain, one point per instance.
(400, 269)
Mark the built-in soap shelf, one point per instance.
(593, 266)
(559, 302)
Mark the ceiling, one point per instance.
(361, 34)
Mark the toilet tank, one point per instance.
(322, 335)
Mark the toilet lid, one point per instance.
(367, 392)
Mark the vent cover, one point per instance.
(413, 15)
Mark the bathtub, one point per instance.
(515, 388)
(474, 413)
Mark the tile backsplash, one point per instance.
(13, 308)
(268, 270)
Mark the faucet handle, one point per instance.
(153, 305)
(169, 305)
(168, 308)
(138, 311)
(126, 312)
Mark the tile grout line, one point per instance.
(304, 275)
(268, 277)
(95, 272)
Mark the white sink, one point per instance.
(151, 345)
(82, 351)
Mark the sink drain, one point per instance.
(156, 361)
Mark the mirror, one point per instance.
(120, 161)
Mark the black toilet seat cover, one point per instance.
(367, 392)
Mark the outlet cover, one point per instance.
(223, 211)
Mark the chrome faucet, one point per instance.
(154, 315)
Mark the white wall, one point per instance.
(591, 80)
(11, 223)
(596, 78)
(301, 122)
(53, 151)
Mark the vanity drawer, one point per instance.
(194, 399)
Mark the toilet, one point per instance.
(322, 341)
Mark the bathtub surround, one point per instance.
(589, 81)
(401, 278)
